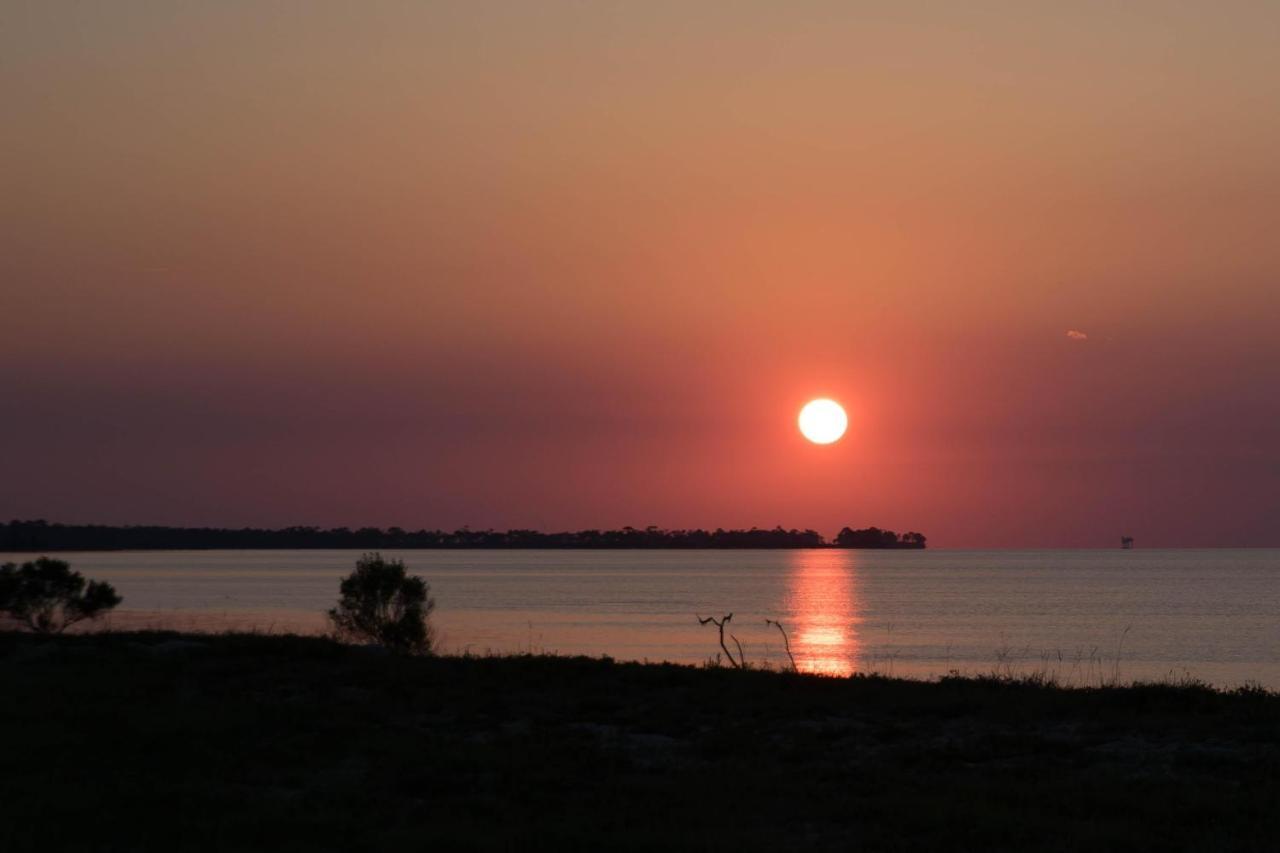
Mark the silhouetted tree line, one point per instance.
(44, 536)
(874, 537)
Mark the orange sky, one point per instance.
(568, 264)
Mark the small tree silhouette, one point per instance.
(380, 603)
(47, 597)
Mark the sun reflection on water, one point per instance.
(822, 597)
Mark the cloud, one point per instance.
(1077, 335)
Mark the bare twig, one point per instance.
(720, 623)
(786, 641)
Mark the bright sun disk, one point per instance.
(823, 421)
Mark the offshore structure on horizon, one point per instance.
(1126, 542)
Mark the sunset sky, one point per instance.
(564, 265)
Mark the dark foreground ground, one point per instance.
(166, 742)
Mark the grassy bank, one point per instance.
(158, 741)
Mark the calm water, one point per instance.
(1083, 615)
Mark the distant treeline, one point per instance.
(44, 536)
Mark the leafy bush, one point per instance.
(47, 597)
(380, 603)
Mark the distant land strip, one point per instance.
(45, 536)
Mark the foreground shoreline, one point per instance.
(161, 740)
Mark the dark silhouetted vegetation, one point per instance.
(786, 642)
(162, 742)
(741, 660)
(874, 537)
(44, 536)
(46, 596)
(380, 603)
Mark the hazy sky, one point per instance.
(564, 265)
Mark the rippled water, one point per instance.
(1085, 616)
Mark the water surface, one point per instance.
(1085, 616)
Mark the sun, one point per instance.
(823, 421)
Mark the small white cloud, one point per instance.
(1077, 335)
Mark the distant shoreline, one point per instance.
(122, 549)
(26, 536)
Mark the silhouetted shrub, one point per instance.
(380, 603)
(47, 597)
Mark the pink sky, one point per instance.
(566, 265)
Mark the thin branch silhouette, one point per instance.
(786, 641)
(720, 623)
